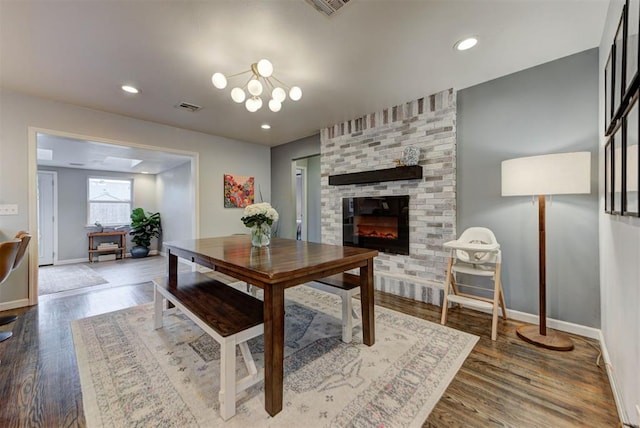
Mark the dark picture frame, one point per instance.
(616, 170)
(608, 94)
(631, 160)
(632, 47)
(608, 177)
(619, 64)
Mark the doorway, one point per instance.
(306, 185)
(60, 165)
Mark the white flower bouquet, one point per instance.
(258, 214)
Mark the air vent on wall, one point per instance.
(328, 6)
(188, 107)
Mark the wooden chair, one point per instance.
(477, 253)
(8, 252)
(24, 238)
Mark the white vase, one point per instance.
(260, 235)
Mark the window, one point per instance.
(109, 201)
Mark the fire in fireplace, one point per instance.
(380, 223)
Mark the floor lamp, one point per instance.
(555, 174)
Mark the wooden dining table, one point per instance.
(283, 264)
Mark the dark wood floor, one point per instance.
(502, 383)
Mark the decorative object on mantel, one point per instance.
(555, 174)
(261, 78)
(377, 176)
(238, 191)
(411, 155)
(398, 162)
(259, 218)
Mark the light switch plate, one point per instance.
(9, 209)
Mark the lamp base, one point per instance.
(552, 340)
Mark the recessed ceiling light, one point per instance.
(265, 126)
(130, 89)
(144, 172)
(464, 44)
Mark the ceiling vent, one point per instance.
(328, 6)
(189, 107)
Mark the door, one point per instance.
(47, 182)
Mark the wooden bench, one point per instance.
(346, 285)
(229, 316)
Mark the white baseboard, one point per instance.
(70, 261)
(617, 393)
(21, 303)
(567, 327)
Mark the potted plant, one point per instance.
(144, 226)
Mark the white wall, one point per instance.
(619, 270)
(175, 202)
(216, 156)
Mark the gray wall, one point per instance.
(551, 108)
(72, 207)
(282, 185)
(175, 196)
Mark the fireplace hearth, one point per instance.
(380, 223)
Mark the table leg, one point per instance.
(273, 348)
(173, 270)
(367, 304)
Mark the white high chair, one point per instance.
(476, 252)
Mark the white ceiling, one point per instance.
(81, 154)
(369, 55)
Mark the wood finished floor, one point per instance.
(503, 383)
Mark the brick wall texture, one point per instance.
(373, 142)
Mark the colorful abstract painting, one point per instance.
(238, 191)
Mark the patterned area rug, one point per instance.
(54, 279)
(133, 375)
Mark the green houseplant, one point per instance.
(144, 226)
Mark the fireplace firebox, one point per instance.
(379, 222)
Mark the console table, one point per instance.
(122, 243)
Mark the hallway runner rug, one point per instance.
(133, 375)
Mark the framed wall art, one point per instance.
(608, 94)
(632, 48)
(608, 206)
(619, 64)
(630, 160)
(616, 171)
(238, 191)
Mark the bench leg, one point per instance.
(227, 394)
(158, 307)
(347, 318)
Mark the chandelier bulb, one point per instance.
(238, 95)
(254, 87)
(295, 93)
(278, 94)
(253, 104)
(265, 68)
(219, 80)
(275, 105)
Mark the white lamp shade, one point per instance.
(265, 68)
(275, 105)
(278, 94)
(238, 95)
(219, 81)
(254, 87)
(555, 174)
(295, 93)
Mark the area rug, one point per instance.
(53, 279)
(133, 375)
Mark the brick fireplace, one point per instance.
(372, 142)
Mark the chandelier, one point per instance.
(261, 80)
